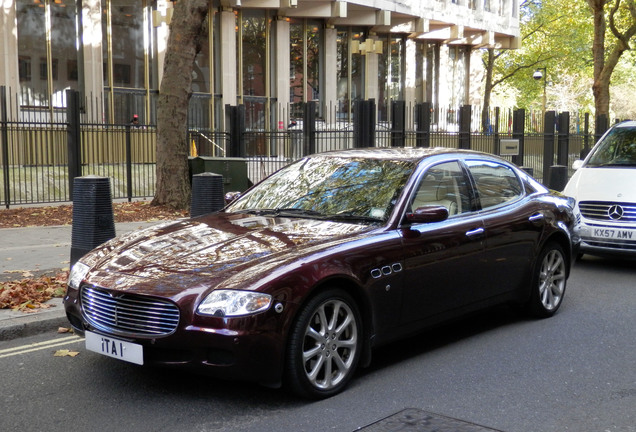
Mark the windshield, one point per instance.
(355, 189)
(618, 148)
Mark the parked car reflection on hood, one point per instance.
(296, 281)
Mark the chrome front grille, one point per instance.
(128, 314)
(608, 211)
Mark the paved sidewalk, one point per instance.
(39, 250)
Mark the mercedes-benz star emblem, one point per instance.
(615, 212)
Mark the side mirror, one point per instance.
(577, 164)
(230, 197)
(428, 214)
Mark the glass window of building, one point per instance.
(254, 32)
(313, 63)
(297, 56)
(47, 51)
(253, 70)
(350, 71)
(306, 61)
(128, 52)
(199, 107)
(390, 75)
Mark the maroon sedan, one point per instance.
(300, 278)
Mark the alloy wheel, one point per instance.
(552, 279)
(330, 344)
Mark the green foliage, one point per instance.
(556, 35)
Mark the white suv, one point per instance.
(604, 186)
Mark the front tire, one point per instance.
(324, 346)
(548, 282)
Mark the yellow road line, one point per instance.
(39, 346)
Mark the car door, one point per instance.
(513, 225)
(444, 261)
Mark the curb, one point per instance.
(14, 324)
(22, 324)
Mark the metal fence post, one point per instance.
(465, 114)
(586, 137)
(309, 128)
(235, 119)
(398, 123)
(495, 133)
(423, 131)
(4, 126)
(548, 144)
(564, 138)
(128, 164)
(518, 130)
(74, 144)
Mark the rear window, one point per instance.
(496, 183)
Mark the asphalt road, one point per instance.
(573, 372)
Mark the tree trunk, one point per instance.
(599, 87)
(604, 67)
(187, 27)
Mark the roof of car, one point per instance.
(405, 153)
(627, 124)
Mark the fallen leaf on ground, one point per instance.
(27, 295)
(30, 293)
(65, 353)
(136, 211)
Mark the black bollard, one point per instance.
(558, 177)
(93, 220)
(207, 194)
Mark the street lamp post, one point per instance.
(538, 74)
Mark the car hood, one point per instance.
(602, 184)
(170, 258)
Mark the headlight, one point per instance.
(229, 303)
(77, 274)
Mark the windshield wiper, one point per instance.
(298, 212)
(350, 217)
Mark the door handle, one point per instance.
(475, 232)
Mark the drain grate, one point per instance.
(416, 420)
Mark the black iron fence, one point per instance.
(43, 150)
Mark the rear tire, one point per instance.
(548, 282)
(324, 346)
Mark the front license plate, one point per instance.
(615, 234)
(115, 348)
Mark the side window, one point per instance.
(496, 183)
(446, 185)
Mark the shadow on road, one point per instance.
(443, 335)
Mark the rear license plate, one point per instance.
(615, 234)
(115, 348)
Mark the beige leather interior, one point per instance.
(443, 192)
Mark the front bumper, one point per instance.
(246, 348)
(604, 239)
